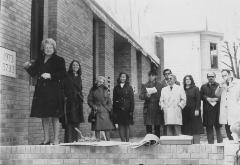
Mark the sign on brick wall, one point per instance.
(7, 62)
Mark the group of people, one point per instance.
(169, 107)
(178, 111)
(58, 97)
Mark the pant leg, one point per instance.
(68, 137)
(149, 129)
(177, 130)
(196, 139)
(169, 130)
(228, 131)
(218, 134)
(210, 135)
(157, 130)
(164, 130)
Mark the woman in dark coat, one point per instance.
(74, 103)
(100, 102)
(153, 116)
(192, 121)
(49, 69)
(123, 105)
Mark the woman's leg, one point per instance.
(97, 134)
(56, 130)
(46, 125)
(127, 132)
(107, 134)
(196, 139)
(121, 132)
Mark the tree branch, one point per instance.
(227, 64)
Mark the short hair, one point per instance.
(152, 73)
(165, 70)
(174, 76)
(211, 72)
(226, 70)
(49, 41)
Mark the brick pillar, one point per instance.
(160, 54)
(125, 60)
(133, 75)
(139, 70)
(105, 53)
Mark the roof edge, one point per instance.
(105, 17)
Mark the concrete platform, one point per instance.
(197, 154)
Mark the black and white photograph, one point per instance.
(119, 82)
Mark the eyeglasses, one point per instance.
(210, 76)
(167, 73)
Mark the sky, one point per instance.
(142, 18)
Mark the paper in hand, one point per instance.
(151, 90)
(213, 103)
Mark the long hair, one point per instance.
(127, 82)
(192, 81)
(70, 69)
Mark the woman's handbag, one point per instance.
(92, 116)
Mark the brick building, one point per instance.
(83, 31)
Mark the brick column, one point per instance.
(125, 60)
(105, 53)
(160, 54)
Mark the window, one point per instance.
(213, 56)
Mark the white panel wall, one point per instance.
(182, 55)
(205, 55)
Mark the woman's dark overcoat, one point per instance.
(48, 99)
(151, 110)
(192, 124)
(123, 104)
(100, 102)
(74, 102)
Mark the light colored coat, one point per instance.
(230, 103)
(172, 103)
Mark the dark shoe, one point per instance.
(48, 143)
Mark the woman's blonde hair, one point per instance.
(49, 41)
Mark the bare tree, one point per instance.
(231, 52)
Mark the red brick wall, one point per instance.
(15, 20)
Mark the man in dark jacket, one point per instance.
(150, 93)
(211, 107)
(166, 73)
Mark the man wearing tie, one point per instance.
(211, 107)
(172, 101)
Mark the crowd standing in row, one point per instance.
(169, 107)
